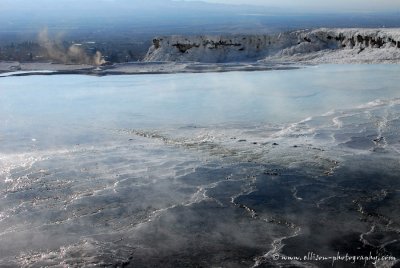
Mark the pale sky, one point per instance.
(337, 5)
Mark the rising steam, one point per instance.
(73, 54)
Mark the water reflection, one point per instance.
(199, 169)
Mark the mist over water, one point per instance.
(197, 170)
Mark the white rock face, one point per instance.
(218, 48)
(319, 45)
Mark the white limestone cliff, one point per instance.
(319, 46)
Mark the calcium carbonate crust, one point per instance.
(314, 46)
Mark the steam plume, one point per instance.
(73, 54)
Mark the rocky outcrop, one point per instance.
(218, 48)
(359, 39)
(238, 48)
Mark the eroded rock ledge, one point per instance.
(319, 45)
